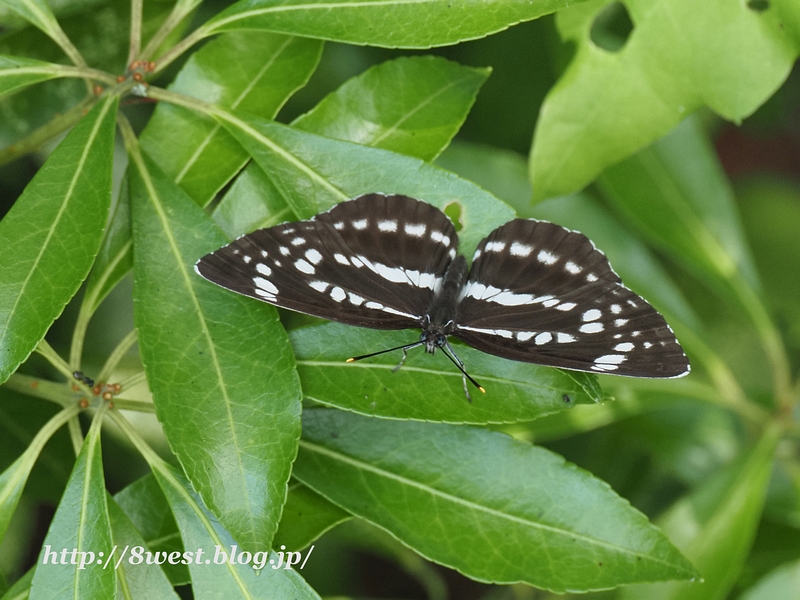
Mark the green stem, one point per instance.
(42, 388)
(54, 359)
(168, 57)
(135, 405)
(179, 12)
(770, 340)
(75, 435)
(116, 356)
(133, 380)
(136, 31)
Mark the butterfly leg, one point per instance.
(402, 360)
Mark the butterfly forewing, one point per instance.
(375, 262)
(540, 293)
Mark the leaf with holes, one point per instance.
(680, 56)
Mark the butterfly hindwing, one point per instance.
(540, 293)
(374, 262)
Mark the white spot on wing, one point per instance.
(616, 309)
(320, 286)
(591, 328)
(298, 241)
(338, 294)
(263, 269)
(264, 253)
(547, 258)
(564, 338)
(387, 225)
(543, 338)
(624, 347)
(356, 262)
(620, 322)
(304, 266)
(572, 268)
(591, 315)
(415, 229)
(591, 278)
(341, 259)
(610, 359)
(265, 285)
(313, 256)
(338, 226)
(284, 250)
(437, 236)
(355, 299)
(524, 336)
(495, 246)
(521, 250)
(551, 303)
(375, 305)
(566, 306)
(360, 224)
(246, 259)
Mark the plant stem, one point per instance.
(163, 61)
(178, 14)
(42, 388)
(133, 380)
(136, 31)
(119, 352)
(54, 359)
(134, 405)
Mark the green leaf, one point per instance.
(715, 526)
(251, 203)
(21, 588)
(145, 506)
(680, 56)
(412, 105)
(200, 531)
(470, 499)
(36, 12)
(313, 173)
(114, 260)
(17, 72)
(501, 172)
(207, 354)
(12, 480)
(55, 229)
(306, 516)
(81, 528)
(515, 391)
(138, 580)
(392, 24)
(782, 582)
(677, 194)
(194, 150)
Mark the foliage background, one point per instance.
(703, 222)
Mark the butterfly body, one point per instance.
(535, 291)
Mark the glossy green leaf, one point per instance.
(114, 260)
(500, 172)
(306, 516)
(680, 56)
(676, 193)
(252, 202)
(145, 506)
(21, 588)
(428, 387)
(80, 526)
(36, 12)
(392, 24)
(411, 105)
(12, 480)
(194, 150)
(207, 354)
(55, 229)
(470, 499)
(783, 582)
(200, 531)
(715, 526)
(313, 173)
(137, 580)
(17, 72)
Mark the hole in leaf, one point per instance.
(611, 27)
(453, 211)
(758, 5)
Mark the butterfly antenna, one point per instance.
(404, 348)
(448, 352)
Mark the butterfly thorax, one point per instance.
(441, 317)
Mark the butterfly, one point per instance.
(535, 291)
